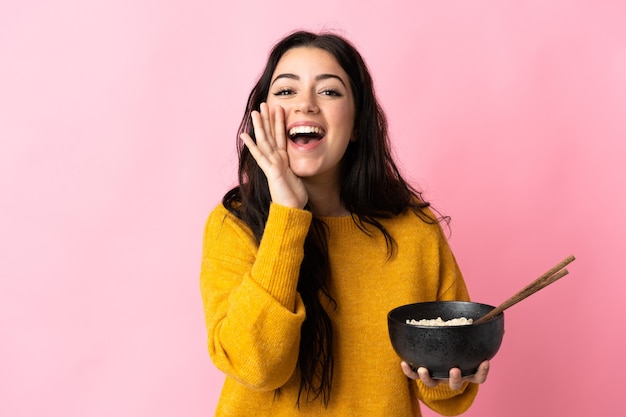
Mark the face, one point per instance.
(315, 93)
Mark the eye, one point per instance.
(331, 92)
(283, 92)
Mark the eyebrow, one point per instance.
(317, 78)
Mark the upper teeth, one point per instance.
(298, 130)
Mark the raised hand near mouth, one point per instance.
(270, 152)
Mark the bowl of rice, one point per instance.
(441, 335)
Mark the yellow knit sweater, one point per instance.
(254, 313)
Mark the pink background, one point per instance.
(117, 126)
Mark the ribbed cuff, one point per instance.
(446, 401)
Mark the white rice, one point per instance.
(461, 321)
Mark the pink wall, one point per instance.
(117, 123)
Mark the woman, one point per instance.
(303, 260)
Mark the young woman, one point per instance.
(322, 237)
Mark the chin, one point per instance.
(305, 173)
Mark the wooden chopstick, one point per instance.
(543, 281)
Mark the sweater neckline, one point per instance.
(342, 223)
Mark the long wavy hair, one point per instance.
(372, 188)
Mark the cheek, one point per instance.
(347, 122)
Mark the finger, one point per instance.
(424, 376)
(267, 125)
(280, 130)
(481, 373)
(253, 148)
(456, 380)
(257, 125)
(263, 144)
(409, 370)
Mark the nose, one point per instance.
(307, 103)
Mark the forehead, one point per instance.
(307, 59)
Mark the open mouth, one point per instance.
(303, 135)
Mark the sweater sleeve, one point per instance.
(252, 309)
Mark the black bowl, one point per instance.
(441, 348)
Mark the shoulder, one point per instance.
(416, 227)
(221, 223)
(422, 218)
(220, 215)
